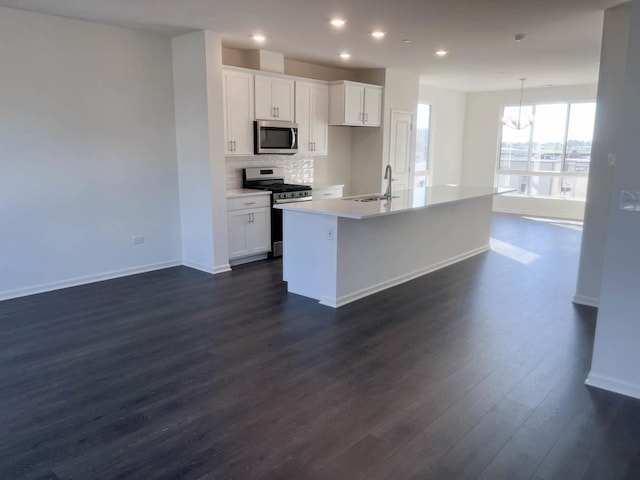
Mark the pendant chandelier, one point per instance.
(517, 122)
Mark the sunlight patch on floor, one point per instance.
(570, 224)
(513, 252)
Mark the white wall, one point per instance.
(447, 133)
(481, 137)
(616, 355)
(197, 72)
(335, 168)
(87, 153)
(605, 140)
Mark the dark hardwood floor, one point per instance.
(474, 371)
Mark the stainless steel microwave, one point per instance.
(280, 138)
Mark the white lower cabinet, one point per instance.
(249, 225)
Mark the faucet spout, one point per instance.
(388, 178)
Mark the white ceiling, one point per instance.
(562, 45)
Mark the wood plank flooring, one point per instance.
(474, 371)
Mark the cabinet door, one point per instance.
(260, 231)
(372, 106)
(264, 98)
(228, 142)
(303, 116)
(320, 119)
(353, 104)
(238, 225)
(282, 94)
(239, 113)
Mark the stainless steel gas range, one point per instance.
(272, 179)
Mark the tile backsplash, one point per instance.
(297, 168)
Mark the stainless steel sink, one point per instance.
(369, 198)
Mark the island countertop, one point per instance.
(403, 201)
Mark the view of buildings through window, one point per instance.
(551, 158)
(423, 136)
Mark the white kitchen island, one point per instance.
(340, 250)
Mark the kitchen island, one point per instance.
(340, 250)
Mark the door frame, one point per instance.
(412, 146)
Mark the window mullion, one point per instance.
(533, 112)
(566, 138)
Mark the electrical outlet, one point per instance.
(138, 239)
(331, 233)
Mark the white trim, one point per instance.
(584, 300)
(252, 258)
(613, 385)
(535, 213)
(206, 268)
(365, 292)
(221, 268)
(73, 282)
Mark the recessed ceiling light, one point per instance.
(406, 40)
(259, 38)
(441, 53)
(338, 22)
(345, 55)
(378, 34)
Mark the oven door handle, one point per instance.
(293, 138)
(292, 200)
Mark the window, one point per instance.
(423, 138)
(551, 158)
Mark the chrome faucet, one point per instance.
(387, 176)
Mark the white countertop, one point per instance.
(406, 200)
(240, 192)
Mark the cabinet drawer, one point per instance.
(248, 201)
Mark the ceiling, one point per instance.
(562, 45)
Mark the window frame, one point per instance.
(529, 173)
(427, 172)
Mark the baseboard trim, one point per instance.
(252, 258)
(587, 301)
(206, 268)
(222, 269)
(612, 385)
(74, 282)
(365, 292)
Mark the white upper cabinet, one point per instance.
(274, 98)
(312, 110)
(238, 113)
(355, 104)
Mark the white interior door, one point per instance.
(400, 146)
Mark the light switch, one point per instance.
(630, 201)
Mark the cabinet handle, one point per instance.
(273, 111)
(234, 146)
(327, 194)
(231, 145)
(249, 203)
(366, 117)
(277, 112)
(253, 218)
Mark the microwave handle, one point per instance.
(293, 138)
